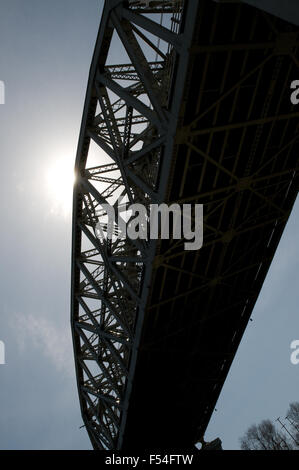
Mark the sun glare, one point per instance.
(60, 179)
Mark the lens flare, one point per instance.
(60, 178)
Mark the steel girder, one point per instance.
(130, 115)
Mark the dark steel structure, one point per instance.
(187, 102)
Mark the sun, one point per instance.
(60, 178)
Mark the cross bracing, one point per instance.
(199, 113)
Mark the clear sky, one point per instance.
(45, 53)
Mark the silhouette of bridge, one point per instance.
(187, 102)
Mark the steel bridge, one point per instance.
(187, 102)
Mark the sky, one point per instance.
(45, 54)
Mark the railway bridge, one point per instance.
(187, 102)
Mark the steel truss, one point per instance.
(129, 115)
(208, 121)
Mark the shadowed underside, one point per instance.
(198, 112)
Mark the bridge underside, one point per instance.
(237, 153)
(233, 147)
